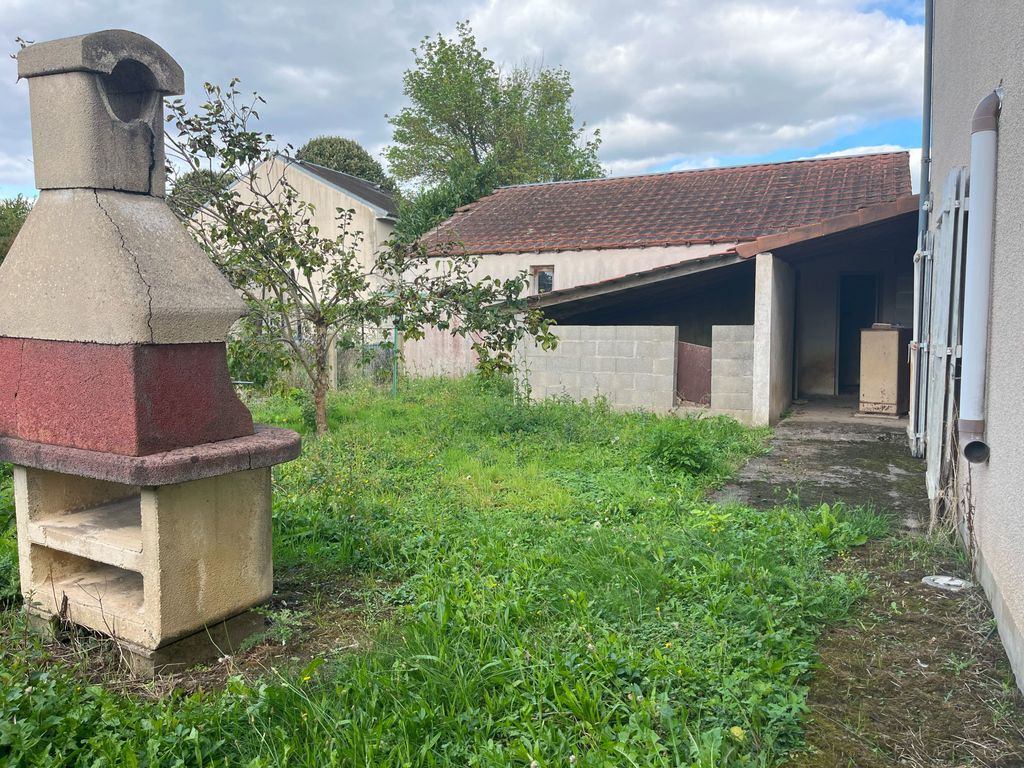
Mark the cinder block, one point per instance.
(567, 380)
(634, 365)
(731, 333)
(651, 383)
(648, 349)
(601, 364)
(725, 367)
(625, 348)
(732, 350)
(587, 348)
(568, 332)
(607, 348)
(608, 383)
(563, 363)
(732, 385)
(742, 416)
(665, 365)
(731, 401)
(625, 333)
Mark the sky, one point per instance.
(671, 84)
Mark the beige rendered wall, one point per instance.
(773, 340)
(326, 200)
(632, 366)
(439, 354)
(977, 45)
(817, 305)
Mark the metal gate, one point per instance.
(936, 355)
(693, 373)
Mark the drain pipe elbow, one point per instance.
(978, 278)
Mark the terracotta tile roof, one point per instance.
(717, 205)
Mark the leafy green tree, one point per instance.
(312, 291)
(471, 128)
(13, 212)
(346, 156)
(193, 189)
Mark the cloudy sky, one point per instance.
(670, 83)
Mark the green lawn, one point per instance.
(551, 588)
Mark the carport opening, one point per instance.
(858, 309)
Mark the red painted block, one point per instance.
(10, 375)
(132, 399)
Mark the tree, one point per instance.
(469, 121)
(13, 212)
(193, 189)
(311, 290)
(346, 156)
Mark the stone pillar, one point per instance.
(142, 485)
(774, 303)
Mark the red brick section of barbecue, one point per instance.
(682, 208)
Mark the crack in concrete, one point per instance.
(17, 385)
(138, 268)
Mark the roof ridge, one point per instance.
(717, 169)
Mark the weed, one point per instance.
(559, 591)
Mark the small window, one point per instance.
(543, 279)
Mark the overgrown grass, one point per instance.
(564, 595)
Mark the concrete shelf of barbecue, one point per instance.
(149, 549)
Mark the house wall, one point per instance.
(817, 302)
(977, 45)
(326, 200)
(633, 367)
(772, 382)
(438, 354)
(732, 369)
(581, 267)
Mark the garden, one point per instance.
(466, 578)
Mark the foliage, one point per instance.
(255, 356)
(192, 190)
(554, 598)
(471, 127)
(423, 211)
(314, 289)
(13, 212)
(346, 156)
(9, 583)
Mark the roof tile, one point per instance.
(703, 206)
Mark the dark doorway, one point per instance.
(858, 309)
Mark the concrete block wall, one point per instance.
(732, 371)
(632, 366)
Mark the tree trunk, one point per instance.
(321, 379)
(320, 399)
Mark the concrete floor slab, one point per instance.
(823, 453)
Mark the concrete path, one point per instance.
(822, 452)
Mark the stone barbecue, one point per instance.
(142, 486)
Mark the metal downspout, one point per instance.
(915, 426)
(978, 277)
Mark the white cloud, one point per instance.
(730, 77)
(668, 81)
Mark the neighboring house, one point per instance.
(375, 211)
(777, 267)
(327, 191)
(967, 417)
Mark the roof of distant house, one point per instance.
(361, 189)
(717, 205)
